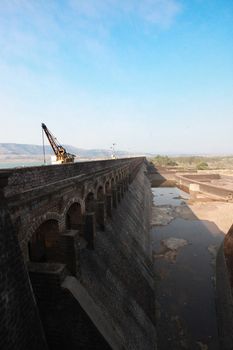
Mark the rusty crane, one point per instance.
(61, 156)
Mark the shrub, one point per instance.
(202, 166)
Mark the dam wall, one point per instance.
(20, 325)
(84, 241)
(119, 273)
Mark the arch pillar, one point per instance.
(100, 210)
(114, 196)
(119, 192)
(123, 186)
(109, 204)
(127, 183)
(69, 242)
(89, 229)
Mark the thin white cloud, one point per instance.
(33, 34)
(157, 12)
(160, 12)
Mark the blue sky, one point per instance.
(151, 76)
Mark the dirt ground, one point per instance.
(220, 213)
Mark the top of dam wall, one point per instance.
(23, 179)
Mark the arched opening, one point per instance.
(44, 244)
(90, 203)
(100, 193)
(107, 187)
(74, 218)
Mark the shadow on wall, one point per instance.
(186, 307)
(161, 177)
(20, 326)
(44, 245)
(55, 256)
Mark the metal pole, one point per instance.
(43, 146)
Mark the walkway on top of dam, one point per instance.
(184, 251)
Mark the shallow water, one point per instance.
(185, 295)
(168, 196)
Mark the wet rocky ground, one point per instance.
(184, 250)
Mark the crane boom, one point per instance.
(60, 152)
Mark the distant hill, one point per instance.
(14, 151)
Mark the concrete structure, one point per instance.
(216, 186)
(212, 185)
(81, 231)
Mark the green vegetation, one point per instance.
(163, 161)
(194, 162)
(202, 166)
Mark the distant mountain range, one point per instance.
(15, 151)
(24, 153)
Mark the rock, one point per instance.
(174, 243)
(169, 249)
(161, 216)
(202, 346)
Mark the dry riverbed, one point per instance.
(186, 237)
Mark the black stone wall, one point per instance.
(66, 324)
(20, 327)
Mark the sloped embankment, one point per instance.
(118, 274)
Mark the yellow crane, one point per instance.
(61, 156)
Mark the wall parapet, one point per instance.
(184, 181)
(23, 179)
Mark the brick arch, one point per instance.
(74, 217)
(89, 188)
(126, 171)
(109, 187)
(43, 245)
(113, 182)
(73, 200)
(89, 202)
(117, 178)
(99, 184)
(41, 219)
(112, 174)
(113, 179)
